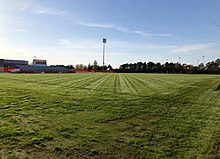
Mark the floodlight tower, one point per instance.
(167, 67)
(104, 40)
(203, 59)
(179, 59)
(180, 65)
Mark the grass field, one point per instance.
(109, 116)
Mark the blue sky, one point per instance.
(71, 31)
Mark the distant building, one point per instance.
(38, 62)
(187, 68)
(42, 69)
(38, 66)
(8, 65)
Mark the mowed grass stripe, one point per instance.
(105, 88)
(164, 81)
(117, 85)
(144, 87)
(151, 85)
(52, 79)
(76, 79)
(127, 86)
(99, 82)
(117, 120)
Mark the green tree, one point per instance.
(212, 65)
(79, 66)
(158, 67)
(95, 65)
(139, 66)
(89, 67)
(151, 66)
(109, 67)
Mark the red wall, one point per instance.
(1, 69)
(6, 69)
(81, 71)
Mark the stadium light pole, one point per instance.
(179, 59)
(103, 51)
(180, 65)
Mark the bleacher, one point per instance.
(42, 69)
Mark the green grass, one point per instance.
(102, 115)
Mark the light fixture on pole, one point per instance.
(104, 41)
(179, 59)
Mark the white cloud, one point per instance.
(147, 35)
(194, 47)
(20, 30)
(48, 11)
(65, 42)
(69, 43)
(38, 8)
(95, 25)
(122, 29)
(25, 7)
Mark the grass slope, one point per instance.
(109, 116)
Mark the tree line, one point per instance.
(94, 66)
(212, 67)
